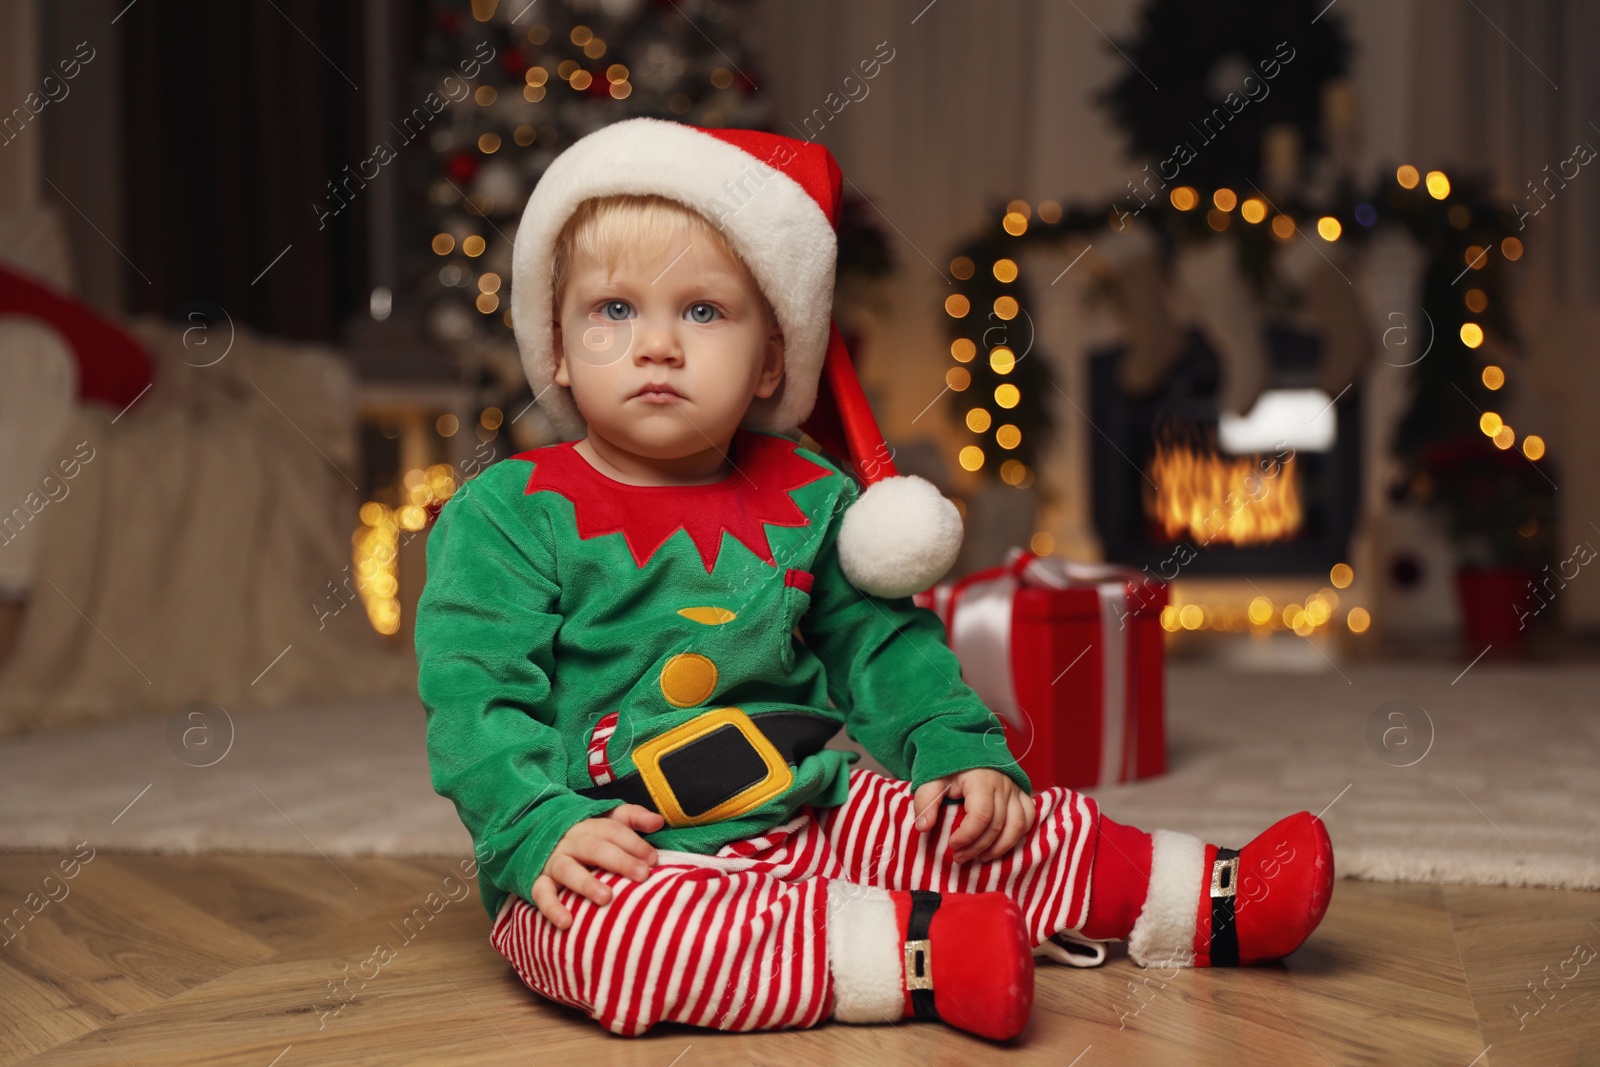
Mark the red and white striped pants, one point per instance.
(736, 941)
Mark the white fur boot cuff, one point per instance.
(866, 955)
(1164, 933)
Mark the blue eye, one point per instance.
(695, 310)
(609, 306)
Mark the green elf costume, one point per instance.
(584, 643)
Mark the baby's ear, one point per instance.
(561, 377)
(771, 363)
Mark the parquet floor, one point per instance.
(179, 960)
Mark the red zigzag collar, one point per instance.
(754, 496)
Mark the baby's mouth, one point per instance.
(658, 392)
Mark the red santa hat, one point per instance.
(777, 199)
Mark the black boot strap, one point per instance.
(919, 956)
(1224, 891)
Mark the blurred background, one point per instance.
(1291, 308)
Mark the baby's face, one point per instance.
(664, 354)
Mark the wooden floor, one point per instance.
(160, 960)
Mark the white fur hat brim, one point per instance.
(775, 225)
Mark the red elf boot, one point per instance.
(963, 958)
(1219, 907)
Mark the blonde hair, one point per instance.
(606, 227)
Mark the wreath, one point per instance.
(1225, 72)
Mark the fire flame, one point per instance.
(1208, 497)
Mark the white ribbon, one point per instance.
(979, 621)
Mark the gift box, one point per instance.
(1070, 657)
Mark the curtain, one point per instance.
(237, 115)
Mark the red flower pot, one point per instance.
(1496, 609)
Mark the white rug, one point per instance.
(1507, 794)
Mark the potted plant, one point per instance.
(1500, 512)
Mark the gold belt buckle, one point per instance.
(919, 964)
(1230, 865)
(647, 758)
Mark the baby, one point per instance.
(634, 647)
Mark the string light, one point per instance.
(1407, 176)
(1253, 210)
(1493, 377)
(1225, 199)
(1471, 334)
(376, 542)
(957, 306)
(1260, 616)
(1438, 184)
(1489, 422)
(1328, 228)
(1533, 446)
(1184, 198)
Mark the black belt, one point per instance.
(1224, 891)
(918, 964)
(721, 763)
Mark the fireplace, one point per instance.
(1176, 484)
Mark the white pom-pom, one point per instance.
(899, 537)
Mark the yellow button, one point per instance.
(688, 679)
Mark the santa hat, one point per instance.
(777, 199)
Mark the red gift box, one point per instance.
(1069, 656)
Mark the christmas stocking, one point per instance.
(1229, 316)
(1391, 292)
(1181, 902)
(963, 958)
(1336, 307)
(1154, 342)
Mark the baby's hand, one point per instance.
(612, 843)
(997, 812)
